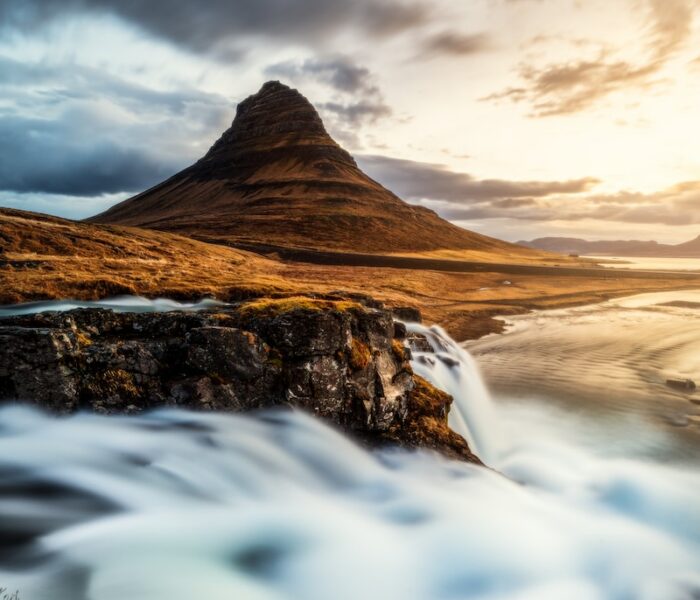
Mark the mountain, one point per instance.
(567, 245)
(691, 248)
(277, 177)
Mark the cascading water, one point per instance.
(174, 505)
(451, 368)
(118, 303)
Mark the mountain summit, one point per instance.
(276, 177)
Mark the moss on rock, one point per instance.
(276, 306)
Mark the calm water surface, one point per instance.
(649, 262)
(611, 359)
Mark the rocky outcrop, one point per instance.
(338, 359)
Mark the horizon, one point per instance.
(509, 118)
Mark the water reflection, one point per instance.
(612, 358)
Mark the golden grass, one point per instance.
(360, 355)
(275, 306)
(50, 258)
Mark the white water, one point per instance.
(176, 505)
(118, 303)
(452, 369)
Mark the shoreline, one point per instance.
(494, 322)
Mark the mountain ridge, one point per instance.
(651, 248)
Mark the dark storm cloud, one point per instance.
(341, 73)
(79, 131)
(44, 156)
(417, 180)
(568, 87)
(215, 25)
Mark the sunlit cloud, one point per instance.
(561, 88)
(419, 181)
(454, 43)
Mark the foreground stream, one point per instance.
(596, 505)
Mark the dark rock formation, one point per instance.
(407, 313)
(337, 359)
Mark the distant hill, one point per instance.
(277, 177)
(567, 245)
(44, 257)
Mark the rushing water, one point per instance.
(177, 505)
(118, 303)
(452, 369)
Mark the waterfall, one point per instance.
(174, 505)
(452, 369)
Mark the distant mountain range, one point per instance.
(578, 246)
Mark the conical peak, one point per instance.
(274, 118)
(276, 115)
(273, 86)
(271, 97)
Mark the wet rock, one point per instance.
(418, 343)
(407, 313)
(343, 361)
(400, 331)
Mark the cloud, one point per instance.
(47, 156)
(418, 180)
(339, 72)
(59, 136)
(563, 88)
(216, 26)
(453, 43)
(676, 205)
(462, 197)
(358, 113)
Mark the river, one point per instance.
(610, 360)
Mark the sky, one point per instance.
(514, 118)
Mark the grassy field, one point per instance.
(45, 257)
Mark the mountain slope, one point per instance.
(566, 245)
(277, 177)
(44, 257)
